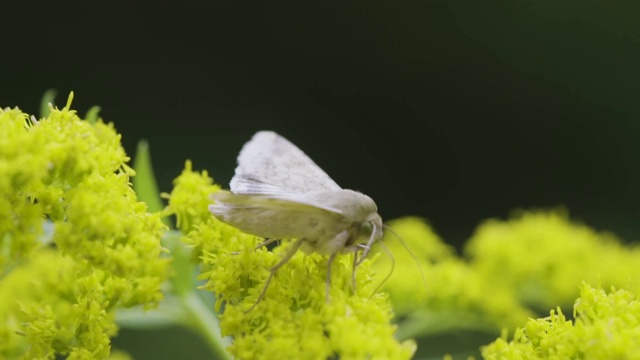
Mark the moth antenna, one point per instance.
(393, 266)
(285, 259)
(424, 279)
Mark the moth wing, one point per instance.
(269, 164)
(275, 217)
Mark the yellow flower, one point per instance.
(293, 321)
(70, 177)
(606, 326)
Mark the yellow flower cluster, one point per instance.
(76, 244)
(606, 326)
(102, 250)
(543, 257)
(455, 296)
(514, 269)
(293, 321)
(189, 199)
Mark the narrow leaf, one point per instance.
(144, 183)
(93, 114)
(47, 99)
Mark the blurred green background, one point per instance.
(456, 112)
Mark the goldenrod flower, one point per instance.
(71, 177)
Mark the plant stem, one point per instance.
(203, 321)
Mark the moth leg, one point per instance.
(328, 284)
(266, 242)
(292, 251)
(338, 243)
(353, 271)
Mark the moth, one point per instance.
(278, 192)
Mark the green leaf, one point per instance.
(425, 323)
(169, 312)
(183, 280)
(47, 99)
(144, 183)
(93, 114)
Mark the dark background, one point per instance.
(452, 111)
(456, 112)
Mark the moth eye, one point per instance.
(366, 227)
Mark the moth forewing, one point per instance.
(268, 162)
(279, 192)
(270, 217)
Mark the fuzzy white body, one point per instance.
(279, 192)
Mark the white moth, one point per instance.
(278, 192)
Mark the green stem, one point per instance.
(203, 321)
